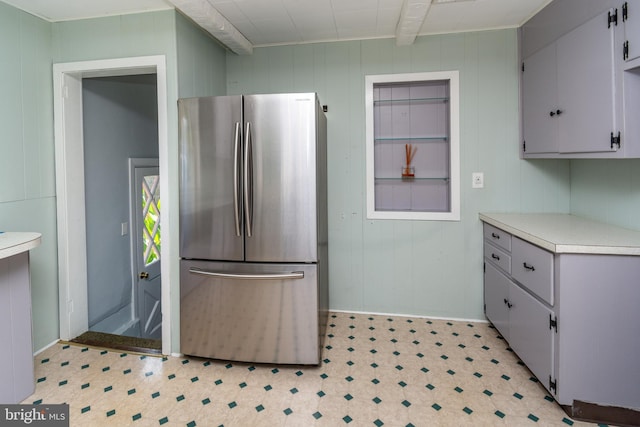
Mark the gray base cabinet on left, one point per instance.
(571, 317)
(16, 360)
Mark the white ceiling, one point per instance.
(272, 22)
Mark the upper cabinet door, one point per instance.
(539, 102)
(631, 19)
(586, 91)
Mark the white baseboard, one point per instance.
(455, 319)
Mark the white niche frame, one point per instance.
(453, 211)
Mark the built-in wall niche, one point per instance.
(412, 139)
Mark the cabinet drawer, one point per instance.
(497, 237)
(533, 268)
(497, 257)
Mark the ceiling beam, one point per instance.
(412, 16)
(207, 17)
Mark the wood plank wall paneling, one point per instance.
(412, 267)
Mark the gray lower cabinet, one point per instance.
(16, 359)
(521, 312)
(571, 317)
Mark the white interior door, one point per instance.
(146, 244)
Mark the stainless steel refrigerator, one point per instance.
(253, 227)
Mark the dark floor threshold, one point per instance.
(612, 415)
(119, 342)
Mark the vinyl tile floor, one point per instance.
(376, 370)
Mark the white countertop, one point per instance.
(563, 233)
(13, 243)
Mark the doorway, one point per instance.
(70, 186)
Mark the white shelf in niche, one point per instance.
(420, 109)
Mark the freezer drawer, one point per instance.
(227, 311)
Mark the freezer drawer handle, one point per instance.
(246, 276)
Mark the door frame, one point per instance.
(70, 201)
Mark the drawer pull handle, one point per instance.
(496, 257)
(528, 267)
(508, 304)
(495, 236)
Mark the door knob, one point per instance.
(144, 275)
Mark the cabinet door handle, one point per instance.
(508, 304)
(495, 236)
(528, 267)
(554, 113)
(496, 257)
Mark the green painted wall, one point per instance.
(607, 190)
(27, 174)
(201, 62)
(413, 267)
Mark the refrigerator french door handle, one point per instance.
(236, 178)
(247, 276)
(248, 179)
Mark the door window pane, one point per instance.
(151, 218)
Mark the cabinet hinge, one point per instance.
(553, 323)
(553, 385)
(616, 140)
(625, 50)
(624, 11)
(612, 18)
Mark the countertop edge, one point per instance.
(21, 242)
(559, 248)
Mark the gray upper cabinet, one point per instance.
(631, 21)
(568, 93)
(580, 85)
